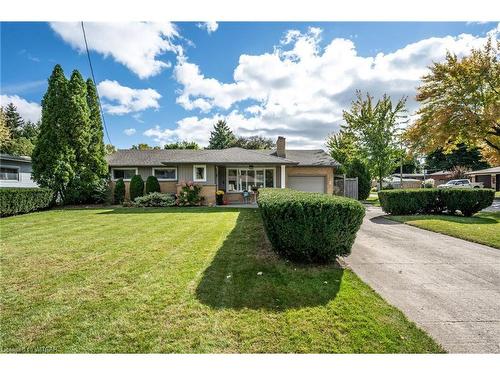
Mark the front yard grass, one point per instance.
(180, 280)
(483, 227)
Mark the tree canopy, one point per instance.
(182, 145)
(69, 153)
(221, 137)
(18, 136)
(254, 142)
(461, 156)
(144, 146)
(374, 129)
(460, 103)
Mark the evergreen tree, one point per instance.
(359, 169)
(13, 120)
(53, 158)
(97, 153)
(221, 137)
(5, 135)
(78, 133)
(461, 156)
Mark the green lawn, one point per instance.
(484, 227)
(179, 280)
(497, 194)
(373, 199)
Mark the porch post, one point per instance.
(283, 174)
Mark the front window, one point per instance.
(199, 173)
(126, 174)
(9, 174)
(165, 174)
(240, 179)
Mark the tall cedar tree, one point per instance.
(53, 158)
(374, 127)
(5, 135)
(460, 103)
(97, 151)
(221, 137)
(78, 133)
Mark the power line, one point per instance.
(93, 79)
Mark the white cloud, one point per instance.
(300, 88)
(137, 45)
(29, 111)
(129, 131)
(120, 99)
(211, 26)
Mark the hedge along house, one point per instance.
(231, 170)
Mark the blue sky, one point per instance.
(164, 82)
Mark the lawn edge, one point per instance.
(389, 217)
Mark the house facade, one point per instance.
(233, 170)
(490, 177)
(15, 171)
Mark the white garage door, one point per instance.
(311, 184)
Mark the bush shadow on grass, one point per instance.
(444, 217)
(232, 280)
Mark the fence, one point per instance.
(347, 187)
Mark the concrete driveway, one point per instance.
(447, 286)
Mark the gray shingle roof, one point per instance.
(235, 155)
(486, 171)
(307, 158)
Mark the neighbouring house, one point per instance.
(440, 177)
(490, 177)
(233, 170)
(15, 171)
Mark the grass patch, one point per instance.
(180, 280)
(482, 228)
(497, 194)
(373, 200)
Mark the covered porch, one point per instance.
(240, 183)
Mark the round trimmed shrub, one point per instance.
(359, 169)
(119, 193)
(410, 201)
(152, 185)
(309, 227)
(467, 201)
(136, 187)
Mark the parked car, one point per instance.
(461, 184)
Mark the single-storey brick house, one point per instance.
(490, 177)
(232, 170)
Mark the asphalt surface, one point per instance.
(447, 286)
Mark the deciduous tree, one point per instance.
(460, 103)
(374, 127)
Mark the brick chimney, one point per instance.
(280, 147)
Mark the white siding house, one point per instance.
(15, 171)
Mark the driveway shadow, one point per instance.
(232, 281)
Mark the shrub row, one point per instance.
(428, 201)
(155, 199)
(309, 227)
(15, 201)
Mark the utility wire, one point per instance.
(93, 79)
